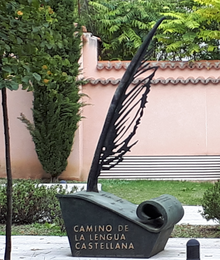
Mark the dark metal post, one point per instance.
(193, 250)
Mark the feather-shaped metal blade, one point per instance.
(124, 114)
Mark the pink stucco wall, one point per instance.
(23, 158)
(181, 116)
(25, 163)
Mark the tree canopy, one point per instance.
(192, 34)
(25, 30)
(122, 25)
(190, 31)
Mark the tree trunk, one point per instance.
(54, 179)
(9, 176)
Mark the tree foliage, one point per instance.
(56, 94)
(25, 27)
(122, 25)
(22, 25)
(40, 49)
(29, 45)
(32, 35)
(191, 32)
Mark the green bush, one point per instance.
(211, 203)
(33, 203)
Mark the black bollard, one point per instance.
(193, 250)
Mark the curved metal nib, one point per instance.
(124, 114)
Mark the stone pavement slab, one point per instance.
(192, 216)
(57, 248)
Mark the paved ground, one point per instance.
(57, 248)
(192, 215)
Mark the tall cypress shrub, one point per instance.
(56, 102)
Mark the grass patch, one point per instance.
(36, 229)
(190, 231)
(181, 231)
(137, 191)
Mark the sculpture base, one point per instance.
(104, 225)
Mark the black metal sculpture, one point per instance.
(124, 114)
(102, 224)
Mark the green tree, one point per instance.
(56, 96)
(192, 32)
(20, 38)
(29, 43)
(122, 25)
